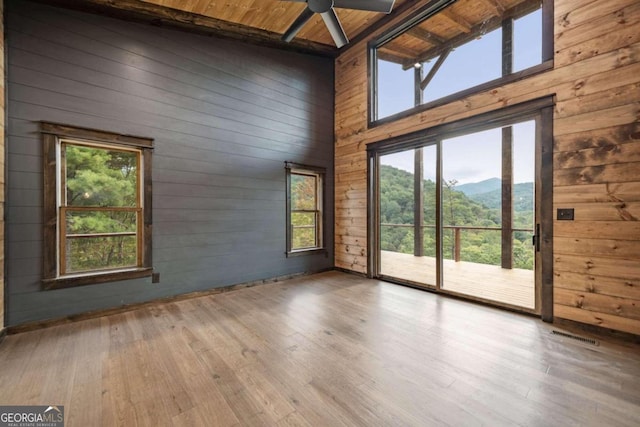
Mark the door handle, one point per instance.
(535, 240)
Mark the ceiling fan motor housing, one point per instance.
(320, 6)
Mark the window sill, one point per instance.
(95, 278)
(302, 252)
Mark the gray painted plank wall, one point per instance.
(225, 117)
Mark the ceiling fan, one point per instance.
(325, 9)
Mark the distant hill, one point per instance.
(522, 197)
(485, 186)
(458, 209)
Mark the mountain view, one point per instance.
(468, 205)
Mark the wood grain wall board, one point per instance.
(576, 12)
(602, 320)
(597, 193)
(614, 230)
(598, 265)
(604, 154)
(620, 116)
(627, 15)
(224, 115)
(616, 39)
(609, 136)
(622, 307)
(623, 288)
(625, 249)
(611, 97)
(617, 172)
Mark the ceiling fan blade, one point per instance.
(370, 5)
(297, 25)
(335, 28)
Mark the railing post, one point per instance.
(456, 244)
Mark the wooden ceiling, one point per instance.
(276, 16)
(264, 22)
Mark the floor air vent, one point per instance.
(575, 337)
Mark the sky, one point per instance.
(475, 157)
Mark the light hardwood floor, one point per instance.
(325, 350)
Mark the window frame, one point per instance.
(427, 11)
(320, 173)
(53, 136)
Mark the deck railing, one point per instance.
(456, 232)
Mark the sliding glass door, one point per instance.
(458, 211)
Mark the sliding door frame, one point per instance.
(540, 110)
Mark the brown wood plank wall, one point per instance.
(596, 80)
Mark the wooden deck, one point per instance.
(331, 349)
(513, 287)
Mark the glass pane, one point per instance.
(527, 41)
(100, 177)
(429, 207)
(471, 52)
(99, 253)
(93, 222)
(469, 65)
(303, 192)
(303, 230)
(472, 215)
(396, 202)
(524, 142)
(395, 90)
(303, 218)
(402, 255)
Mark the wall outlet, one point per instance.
(155, 278)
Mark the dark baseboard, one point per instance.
(32, 326)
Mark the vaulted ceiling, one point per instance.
(265, 21)
(276, 16)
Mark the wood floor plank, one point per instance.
(328, 349)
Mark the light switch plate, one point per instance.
(565, 214)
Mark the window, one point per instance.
(454, 48)
(97, 206)
(304, 208)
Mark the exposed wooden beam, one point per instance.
(424, 35)
(496, 7)
(399, 50)
(434, 69)
(491, 24)
(457, 20)
(390, 57)
(140, 11)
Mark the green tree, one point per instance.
(98, 181)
